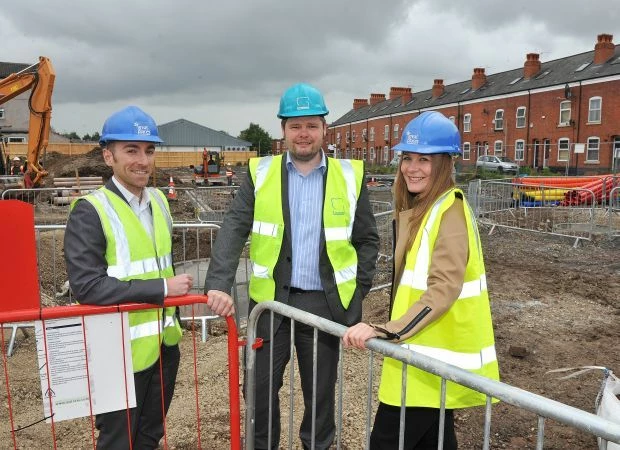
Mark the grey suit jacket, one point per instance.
(85, 247)
(238, 224)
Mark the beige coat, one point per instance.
(446, 272)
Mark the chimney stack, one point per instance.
(478, 78)
(438, 88)
(376, 98)
(359, 103)
(403, 92)
(604, 48)
(532, 65)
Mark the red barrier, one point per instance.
(43, 314)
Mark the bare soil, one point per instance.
(553, 305)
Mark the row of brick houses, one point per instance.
(563, 114)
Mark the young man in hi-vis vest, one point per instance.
(118, 249)
(440, 303)
(314, 245)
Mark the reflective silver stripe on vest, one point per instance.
(346, 274)
(337, 234)
(261, 172)
(470, 288)
(468, 361)
(122, 245)
(140, 267)
(169, 322)
(265, 228)
(160, 201)
(144, 330)
(260, 271)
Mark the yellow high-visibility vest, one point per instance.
(463, 336)
(130, 257)
(342, 189)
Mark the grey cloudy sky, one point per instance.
(224, 64)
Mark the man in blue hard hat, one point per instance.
(314, 244)
(112, 258)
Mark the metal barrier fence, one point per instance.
(23, 426)
(544, 408)
(613, 212)
(534, 208)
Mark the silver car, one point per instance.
(499, 164)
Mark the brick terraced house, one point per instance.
(562, 114)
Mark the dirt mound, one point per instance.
(89, 165)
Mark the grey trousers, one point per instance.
(146, 419)
(327, 355)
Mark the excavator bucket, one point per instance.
(19, 274)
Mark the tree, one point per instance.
(260, 139)
(91, 138)
(73, 136)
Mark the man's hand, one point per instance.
(179, 285)
(220, 303)
(357, 335)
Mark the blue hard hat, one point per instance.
(430, 132)
(302, 100)
(129, 124)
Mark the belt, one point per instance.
(296, 290)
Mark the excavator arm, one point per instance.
(39, 79)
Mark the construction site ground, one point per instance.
(554, 306)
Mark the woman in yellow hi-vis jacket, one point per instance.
(440, 305)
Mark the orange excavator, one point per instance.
(39, 79)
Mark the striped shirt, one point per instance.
(305, 200)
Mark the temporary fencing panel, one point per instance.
(25, 409)
(62, 363)
(542, 407)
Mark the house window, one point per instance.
(16, 139)
(498, 148)
(499, 119)
(278, 145)
(563, 149)
(592, 149)
(386, 132)
(519, 150)
(372, 133)
(466, 151)
(1, 113)
(594, 112)
(364, 135)
(372, 153)
(452, 119)
(467, 123)
(565, 113)
(353, 136)
(395, 131)
(338, 138)
(347, 137)
(386, 154)
(520, 117)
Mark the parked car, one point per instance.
(500, 164)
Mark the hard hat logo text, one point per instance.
(142, 130)
(412, 139)
(303, 103)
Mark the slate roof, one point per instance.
(7, 68)
(185, 133)
(552, 73)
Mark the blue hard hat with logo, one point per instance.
(430, 132)
(302, 100)
(129, 124)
